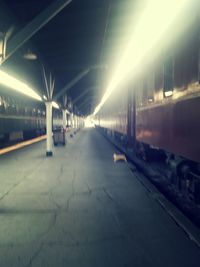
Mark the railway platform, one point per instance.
(79, 208)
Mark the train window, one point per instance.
(145, 89)
(158, 79)
(199, 65)
(12, 106)
(1, 104)
(150, 87)
(4, 103)
(186, 63)
(20, 108)
(168, 77)
(17, 108)
(139, 92)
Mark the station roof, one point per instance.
(82, 35)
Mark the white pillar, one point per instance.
(49, 128)
(78, 125)
(64, 119)
(77, 122)
(71, 119)
(74, 121)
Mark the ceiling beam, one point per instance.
(85, 102)
(83, 94)
(72, 83)
(34, 26)
(76, 80)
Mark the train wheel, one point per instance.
(141, 152)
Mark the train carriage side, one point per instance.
(113, 117)
(20, 119)
(167, 113)
(158, 116)
(170, 118)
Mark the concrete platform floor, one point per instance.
(81, 209)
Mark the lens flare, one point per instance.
(157, 18)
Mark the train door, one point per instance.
(131, 118)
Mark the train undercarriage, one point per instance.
(176, 177)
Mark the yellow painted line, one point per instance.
(22, 144)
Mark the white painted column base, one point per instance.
(49, 129)
(64, 119)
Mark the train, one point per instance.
(157, 114)
(20, 118)
(23, 118)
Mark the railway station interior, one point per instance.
(99, 133)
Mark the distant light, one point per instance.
(168, 93)
(55, 105)
(44, 97)
(158, 17)
(17, 85)
(88, 122)
(150, 99)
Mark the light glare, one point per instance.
(168, 93)
(88, 122)
(17, 85)
(55, 105)
(157, 18)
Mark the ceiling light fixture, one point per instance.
(168, 93)
(29, 55)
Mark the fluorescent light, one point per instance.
(168, 93)
(17, 85)
(55, 105)
(158, 17)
